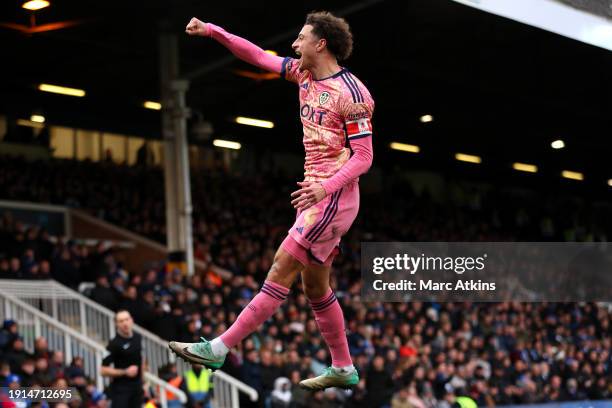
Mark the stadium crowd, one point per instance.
(408, 354)
(42, 368)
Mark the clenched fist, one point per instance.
(197, 27)
(131, 371)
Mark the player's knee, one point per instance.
(315, 290)
(275, 272)
(283, 271)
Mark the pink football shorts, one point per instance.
(317, 231)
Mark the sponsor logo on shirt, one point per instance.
(311, 114)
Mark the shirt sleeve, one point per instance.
(108, 359)
(357, 116)
(290, 70)
(244, 49)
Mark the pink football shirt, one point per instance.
(333, 110)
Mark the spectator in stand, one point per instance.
(41, 348)
(26, 372)
(103, 294)
(65, 267)
(42, 374)
(8, 334)
(5, 271)
(198, 385)
(56, 365)
(17, 354)
(379, 384)
(281, 395)
(75, 369)
(131, 303)
(13, 382)
(15, 269)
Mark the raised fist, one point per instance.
(196, 27)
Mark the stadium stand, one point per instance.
(411, 355)
(42, 368)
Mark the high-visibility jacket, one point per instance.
(198, 386)
(176, 381)
(466, 402)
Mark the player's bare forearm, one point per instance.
(112, 372)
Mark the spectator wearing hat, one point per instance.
(13, 382)
(8, 334)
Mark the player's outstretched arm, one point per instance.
(241, 48)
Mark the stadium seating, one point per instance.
(415, 354)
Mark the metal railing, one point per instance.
(226, 391)
(97, 323)
(42, 208)
(162, 387)
(83, 314)
(33, 323)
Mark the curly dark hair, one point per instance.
(333, 29)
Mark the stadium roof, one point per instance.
(494, 87)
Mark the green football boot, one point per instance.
(330, 378)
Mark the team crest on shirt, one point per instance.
(323, 98)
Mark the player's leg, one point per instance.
(121, 397)
(136, 398)
(274, 291)
(323, 242)
(330, 320)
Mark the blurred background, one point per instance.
(120, 189)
